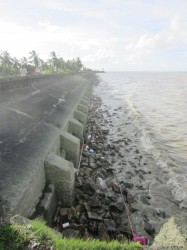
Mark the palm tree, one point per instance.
(26, 64)
(6, 62)
(79, 64)
(34, 58)
(1, 63)
(16, 65)
(69, 65)
(74, 65)
(61, 63)
(10, 66)
(54, 60)
(6, 59)
(24, 61)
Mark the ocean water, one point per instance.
(157, 103)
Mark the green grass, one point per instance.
(10, 238)
(17, 237)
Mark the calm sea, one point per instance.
(158, 106)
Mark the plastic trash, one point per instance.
(143, 240)
(101, 183)
(65, 225)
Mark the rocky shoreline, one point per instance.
(114, 170)
(99, 210)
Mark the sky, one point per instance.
(114, 35)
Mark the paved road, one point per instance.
(31, 114)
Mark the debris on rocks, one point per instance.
(99, 211)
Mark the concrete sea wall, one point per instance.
(42, 120)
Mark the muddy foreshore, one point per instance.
(116, 171)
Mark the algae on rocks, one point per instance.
(173, 234)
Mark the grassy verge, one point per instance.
(18, 237)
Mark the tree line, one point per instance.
(10, 66)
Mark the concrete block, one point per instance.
(71, 145)
(83, 108)
(48, 204)
(76, 128)
(84, 102)
(65, 128)
(32, 192)
(19, 220)
(81, 117)
(86, 98)
(56, 148)
(88, 92)
(60, 172)
(63, 154)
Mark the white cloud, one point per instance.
(88, 10)
(99, 54)
(48, 27)
(147, 43)
(116, 33)
(65, 5)
(10, 28)
(67, 41)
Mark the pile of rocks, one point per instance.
(116, 172)
(99, 210)
(115, 168)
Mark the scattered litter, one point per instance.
(65, 225)
(143, 240)
(89, 137)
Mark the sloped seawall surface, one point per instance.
(33, 112)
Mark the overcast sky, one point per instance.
(117, 35)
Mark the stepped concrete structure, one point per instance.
(42, 119)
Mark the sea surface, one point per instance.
(157, 103)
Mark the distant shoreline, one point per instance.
(99, 71)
